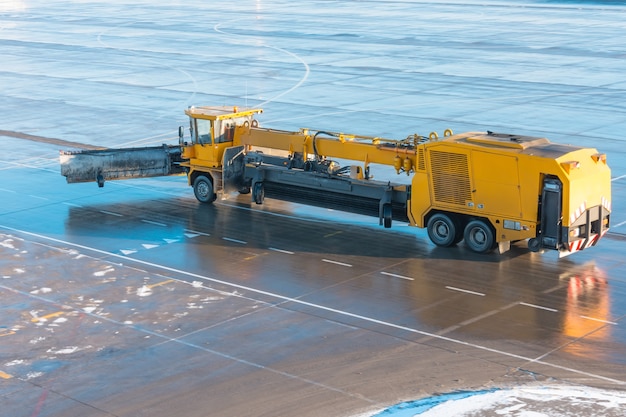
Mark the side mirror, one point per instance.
(181, 135)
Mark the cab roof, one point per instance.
(219, 112)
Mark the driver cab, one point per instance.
(212, 130)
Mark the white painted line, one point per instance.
(600, 320)
(618, 178)
(465, 291)
(229, 239)
(336, 262)
(618, 224)
(288, 252)
(154, 223)
(111, 213)
(540, 307)
(8, 191)
(149, 245)
(39, 197)
(128, 251)
(298, 301)
(71, 204)
(194, 232)
(171, 240)
(389, 274)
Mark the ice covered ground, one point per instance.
(541, 401)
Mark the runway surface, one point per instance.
(135, 300)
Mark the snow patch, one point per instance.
(8, 243)
(42, 290)
(64, 351)
(103, 272)
(144, 291)
(533, 401)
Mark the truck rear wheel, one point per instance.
(203, 189)
(442, 230)
(479, 236)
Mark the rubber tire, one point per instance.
(479, 236)
(203, 189)
(387, 215)
(442, 230)
(258, 193)
(534, 245)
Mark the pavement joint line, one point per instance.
(313, 305)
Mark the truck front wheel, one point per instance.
(203, 189)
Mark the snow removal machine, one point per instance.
(488, 189)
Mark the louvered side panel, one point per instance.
(450, 174)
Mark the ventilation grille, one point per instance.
(421, 162)
(450, 173)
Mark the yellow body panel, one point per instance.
(503, 180)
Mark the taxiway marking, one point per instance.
(230, 239)
(389, 274)
(110, 213)
(158, 284)
(465, 291)
(330, 261)
(288, 252)
(539, 307)
(47, 316)
(154, 223)
(599, 320)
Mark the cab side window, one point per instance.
(203, 131)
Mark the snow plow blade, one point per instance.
(115, 164)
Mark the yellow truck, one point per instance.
(488, 189)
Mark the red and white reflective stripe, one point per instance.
(579, 211)
(578, 245)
